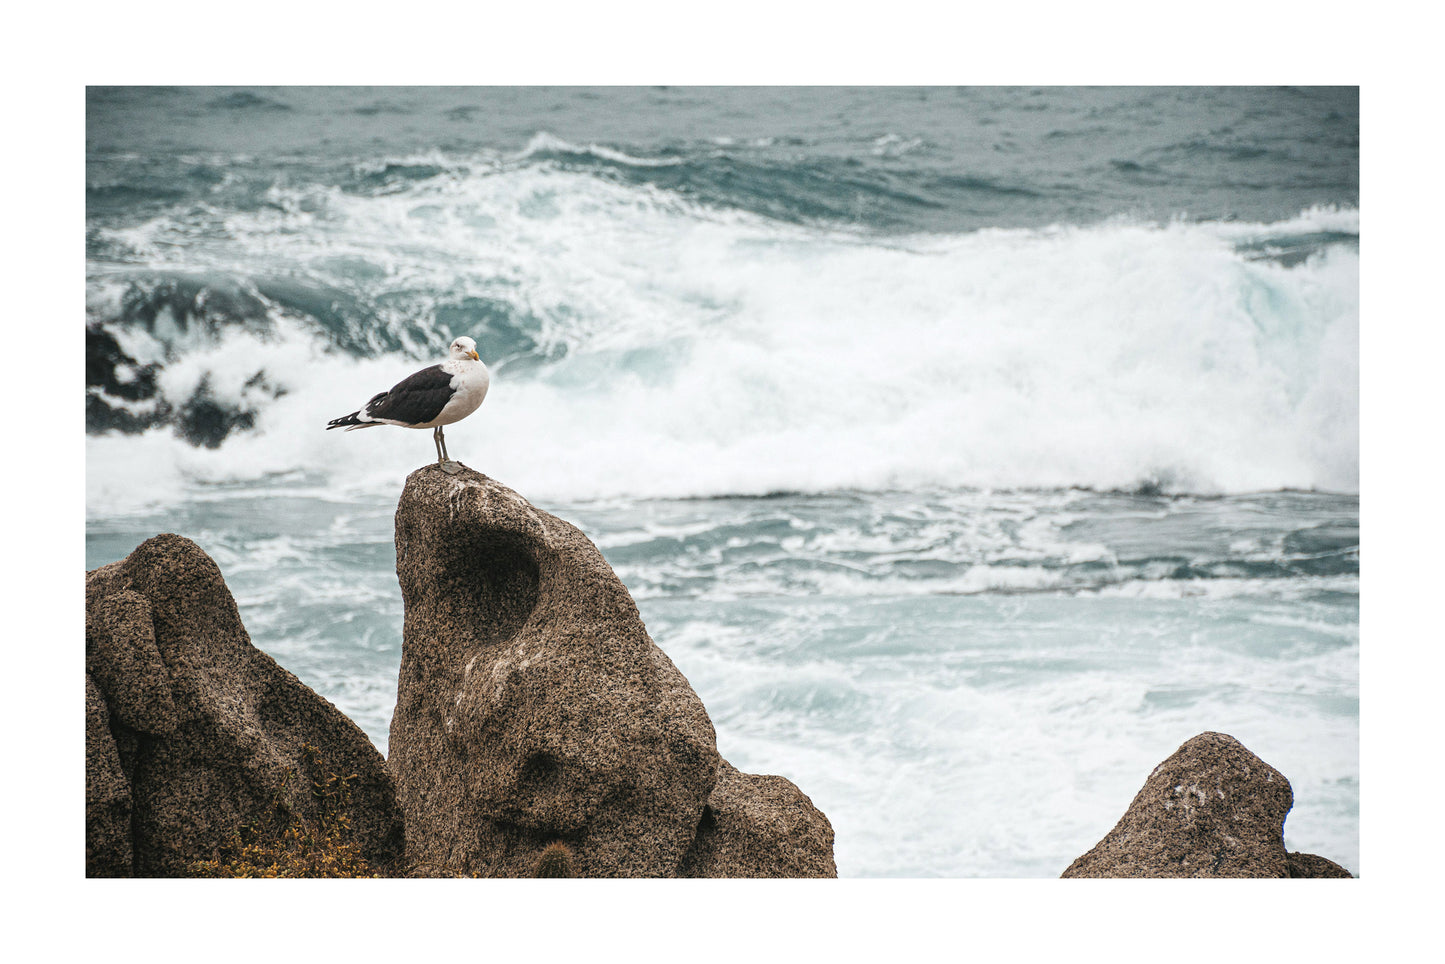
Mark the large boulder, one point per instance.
(1212, 809)
(760, 826)
(534, 709)
(192, 733)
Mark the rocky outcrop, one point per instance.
(759, 826)
(1213, 809)
(192, 732)
(1310, 865)
(533, 708)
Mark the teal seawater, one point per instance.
(899, 159)
(968, 450)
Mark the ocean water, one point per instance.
(968, 450)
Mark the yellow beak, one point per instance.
(475, 356)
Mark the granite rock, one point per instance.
(1311, 865)
(107, 794)
(192, 732)
(1212, 809)
(533, 708)
(760, 826)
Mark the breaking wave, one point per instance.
(644, 343)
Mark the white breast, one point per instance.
(469, 385)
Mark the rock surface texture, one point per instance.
(533, 708)
(759, 826)
(1213, 809)
(192, 732)
(1310, 865)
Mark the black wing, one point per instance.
(415, 399)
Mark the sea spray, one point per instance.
(689, 355)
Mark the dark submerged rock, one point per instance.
(120, 394)
(104, 359)
(205, 422)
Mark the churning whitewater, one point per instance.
(786, 359)
(967, 450)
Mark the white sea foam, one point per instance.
(544, 142)
(994, 758)
(1221, 588)
(1318, 219)
(694, 352)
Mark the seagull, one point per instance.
(431, 398)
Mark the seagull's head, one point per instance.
(464, 348)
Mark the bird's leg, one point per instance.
(447, 465)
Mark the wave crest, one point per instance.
(643, 345)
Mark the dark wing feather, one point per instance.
(415, 399)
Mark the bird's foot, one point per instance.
(450, 467)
